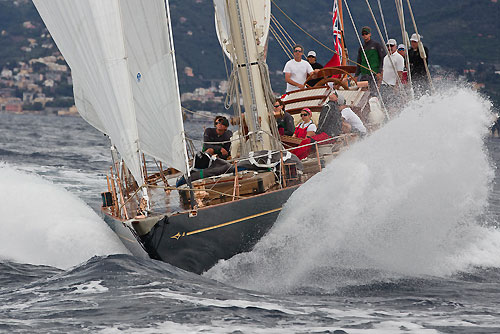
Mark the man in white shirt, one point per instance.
(390, 74)
(350, 116)
(296, 70)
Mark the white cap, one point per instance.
(414, 37)
(392, 41)
(311, 54)
(401, 46)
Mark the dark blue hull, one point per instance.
(217, 232)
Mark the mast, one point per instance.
(343, 60)
(247, 53)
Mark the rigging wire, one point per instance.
(319, 42)
(420, 46)
(400, 84)
(383, 20)
(366, 58)
(404, 34)
(196, 113)
(282, 30)
(280, 42)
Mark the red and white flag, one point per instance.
(337, 37)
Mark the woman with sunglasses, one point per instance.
(283, 119)
(306, 128)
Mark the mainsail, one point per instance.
(122, 58)
(260, 11)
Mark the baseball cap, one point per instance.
(401, 46)
(366, 29)
(414, 37)
(307, 110)
(222, 120)
(311, 54)
(392, 41)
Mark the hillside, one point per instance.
(459, 34)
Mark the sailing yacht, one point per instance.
(122, 57)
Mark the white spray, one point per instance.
(42, 223)
(404, 201)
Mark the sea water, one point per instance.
(397, 235)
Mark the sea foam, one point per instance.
(405, 201)
(42, 223)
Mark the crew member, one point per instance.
(218, 140)
(283, 119)
(306, 128)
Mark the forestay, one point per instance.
(122, 60)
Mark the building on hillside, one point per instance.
(6, 73)
(28, 97)
(28, 25)
(7, 92)
(14, 105)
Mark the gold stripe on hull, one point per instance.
(185, 234)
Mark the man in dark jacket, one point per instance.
(375, 54)
(417, 64)
(311, 58)
(330, 119)
(220, 134)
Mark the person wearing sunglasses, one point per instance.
(283, 119)
(217, 140)
(393, 68)
(306, 128)
(375, 54)
(296, 70)
(402, 52)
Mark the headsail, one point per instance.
(122, 55)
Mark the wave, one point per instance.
(44, 224)
(405, 201)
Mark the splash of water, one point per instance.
(404, 201)
(42, 223)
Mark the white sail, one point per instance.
(260, 11)
(120, 53)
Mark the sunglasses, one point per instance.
(365, 33)
(276, 105)
(391, 45)
(401, 49)
(303, 115)
(297, 50)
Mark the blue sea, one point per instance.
(399, 234)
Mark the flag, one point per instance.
(337, 37)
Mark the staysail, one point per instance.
(121, 54)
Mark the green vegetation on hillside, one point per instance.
(459, 34)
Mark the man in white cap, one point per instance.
(296, 70)
(417, 65)
(311, 58)
(392, 70)
(350, 116)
